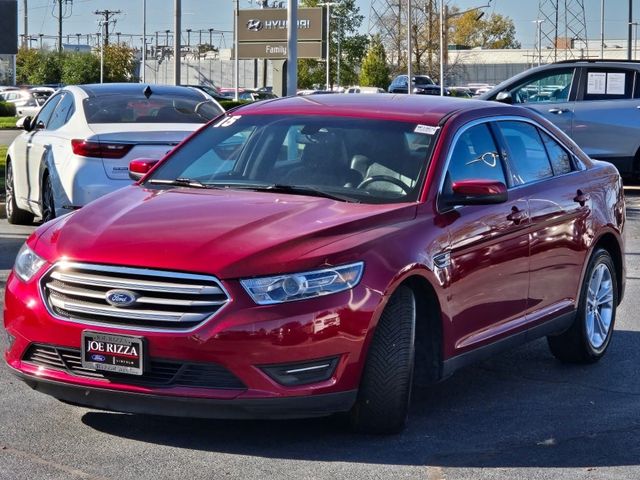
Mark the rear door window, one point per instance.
(526, 153)
(607, 84)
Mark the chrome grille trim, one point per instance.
(168, 301)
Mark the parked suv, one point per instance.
(421, 84)
(299, 258)
(595, 102)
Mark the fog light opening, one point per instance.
(10, 340)
(302, 373)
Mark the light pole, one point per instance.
(444, 21)
(327, 41)
(143, 76)
(601, 28)
(236, 74)
(409, 47)
(292, 47)
(539, 39)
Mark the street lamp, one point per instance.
(328, 5)
(444, 20)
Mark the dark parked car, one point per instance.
(421, 84)
(595, 102)
(300, 257)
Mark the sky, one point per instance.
(217, 14)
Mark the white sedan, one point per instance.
(79, 146)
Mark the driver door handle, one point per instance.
(517, 216)
(581, 197)
(558, 111)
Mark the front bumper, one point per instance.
(244, 339)
(266, 408)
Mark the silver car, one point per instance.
(595, 102)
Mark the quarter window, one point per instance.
(608, 84)
(560, 159)
(475, 157)
(526, 152)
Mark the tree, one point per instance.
(375, 72)
(79, 68)
(345, 42)
(119, 63)
(37, 67)
(497, 31)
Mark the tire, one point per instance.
(587, 340)
(47, 205)
(15, 215)
(383, 399)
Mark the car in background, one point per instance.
(358, 89)
(79, 145)
(421, 84)
(303, 257)
(595, 102)
(27, 101)
(252, 95)
(213, 92)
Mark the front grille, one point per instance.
(165, 300)
(159, 373)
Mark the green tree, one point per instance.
(375, 71)
(79, 68)
(345, 39)
(119, 63)
(35, 67)
(497, 31)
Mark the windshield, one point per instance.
(361, 160)
(159, 108)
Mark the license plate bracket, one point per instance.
(113, 353)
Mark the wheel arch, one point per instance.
(610, 243)
(429, 330)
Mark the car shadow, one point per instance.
(519, 409)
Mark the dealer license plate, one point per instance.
(113, 353)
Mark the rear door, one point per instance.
(559, 205)
(607, 115)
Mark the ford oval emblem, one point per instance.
(121, 298)
(98, 358)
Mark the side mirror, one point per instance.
(24, 123)
(504, 97)
(139, 167)
(478, 192)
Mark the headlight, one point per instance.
(27, 263)
(299, 286)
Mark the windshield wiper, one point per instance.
(297, 190)
(180, 182)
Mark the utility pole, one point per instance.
(107, 15)
(630, 30)
(62, 14)
(177, 29)
(25, 24)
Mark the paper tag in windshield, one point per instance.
(426, 129)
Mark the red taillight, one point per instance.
(84, 148)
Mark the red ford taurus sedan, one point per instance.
(306, 256)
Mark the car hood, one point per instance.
(228, 233)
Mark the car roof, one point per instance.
(99, 89)
(412, 108)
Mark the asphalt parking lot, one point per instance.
(520, 415)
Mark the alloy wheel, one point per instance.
(599, 308)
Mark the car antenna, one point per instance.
(147, 91)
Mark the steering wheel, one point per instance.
(385, 178)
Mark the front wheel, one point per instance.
(586, 341)
(385, 390)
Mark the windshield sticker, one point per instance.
(227, 121)
(426, 129)
(615, 83)
(596, 82)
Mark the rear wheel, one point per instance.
(15, 215)
(586, 341)
(47, 205)
(385, 390)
